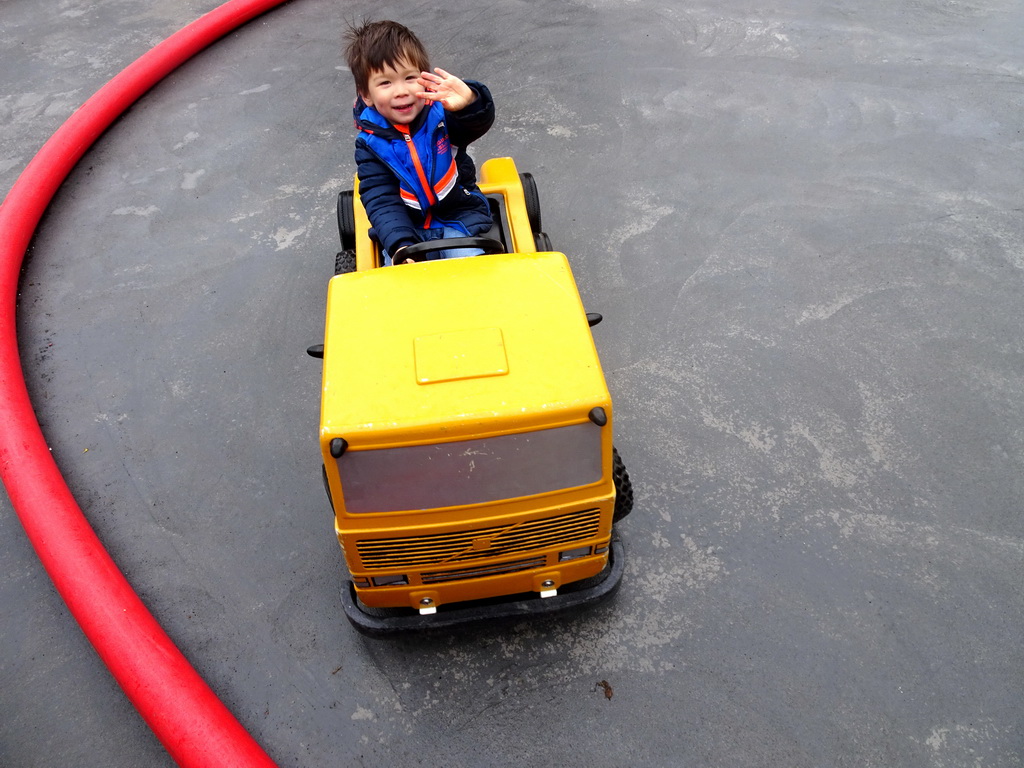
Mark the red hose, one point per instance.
(187, 717)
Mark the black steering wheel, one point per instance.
(417, 251)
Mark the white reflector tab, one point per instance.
(427, 611)
(549, 593)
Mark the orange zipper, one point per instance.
(404, 130)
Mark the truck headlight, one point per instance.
(573, 554)
(389, 581)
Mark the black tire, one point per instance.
(347, 219)
(344, 262)
(543, 242)
(623, 488)
(532, 201)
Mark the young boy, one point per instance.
(416, 179)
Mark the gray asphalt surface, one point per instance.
(804, 226)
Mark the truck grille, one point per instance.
(484, 570)
(415, 552)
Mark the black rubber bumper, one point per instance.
(448, 617)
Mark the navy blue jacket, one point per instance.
(395, 223)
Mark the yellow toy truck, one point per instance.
(466, 427)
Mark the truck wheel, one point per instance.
(543, 242)
(532, 200)
(623, 488)
(347, 219)
(345, 262)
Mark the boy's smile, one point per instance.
(392, 92)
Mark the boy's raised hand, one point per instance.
(447, 89)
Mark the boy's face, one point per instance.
(392, 92)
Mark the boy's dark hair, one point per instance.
(377, 44)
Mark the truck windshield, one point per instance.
(470, 471)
